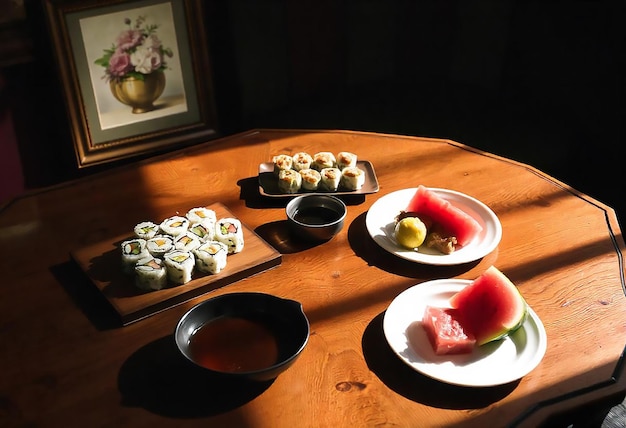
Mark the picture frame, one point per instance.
(113, 57)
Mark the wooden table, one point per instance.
(67, 361)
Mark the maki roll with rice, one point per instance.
(289, 181)
(174, 225)
(133, 250)
(211, 257)
(201, 215)
(179, 265)
(229, 232)
(150, 274)
(204, 232)
(160, 245)
(187, 241)
(146, 230)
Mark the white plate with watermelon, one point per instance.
(496, 363)
(380, 223)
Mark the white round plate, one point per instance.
(495, 363)
(380, 223)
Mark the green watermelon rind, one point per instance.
(510, 330)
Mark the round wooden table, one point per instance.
(81, 348)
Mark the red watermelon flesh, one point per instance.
(445, 333)
(490, 307)
(453, 220)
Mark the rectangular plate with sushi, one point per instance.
(268, 182)
(102, 263)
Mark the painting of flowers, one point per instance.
(135, 74)
(134, 65)
(136, 52)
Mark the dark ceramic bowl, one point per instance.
(249, 336)
(315, 217)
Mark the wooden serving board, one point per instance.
(102, 264)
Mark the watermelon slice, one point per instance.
(490, 307)
(453, 220)
(445, 333)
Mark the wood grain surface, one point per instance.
(67, 361)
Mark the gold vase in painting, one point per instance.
(137, 93)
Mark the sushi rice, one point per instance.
(174, 225)
(229, 231)
(133, 250)
(211, 257)
(204, 232)
(160, 245)
(146, 230)
(201, 215)
(179, 265)
(150, 274)
(187, 241)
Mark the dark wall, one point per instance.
(539, 81)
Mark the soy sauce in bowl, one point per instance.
(247, 336)
(233, 345)
(316, 215)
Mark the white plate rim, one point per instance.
(379, 222)
(498, 363)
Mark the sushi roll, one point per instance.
(160, 245)
(211, 257)
(204, 231)
(150, 274)
(282, 163)
(133, 250)
(289, 181)
(352, 178)
(323, 160)
(302, 161)
(230, 232)
(345, 159)
(174, 225)
(330, 178)
(310, 179)
(146, 230)
(179, 265)
(201, 215)
(187, 241)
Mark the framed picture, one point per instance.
(136, 75)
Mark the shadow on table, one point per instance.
(159, 379)
(399, 377)
(86, 295)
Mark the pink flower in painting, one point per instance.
(120, 64)
(137, 51)
(129, 39)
